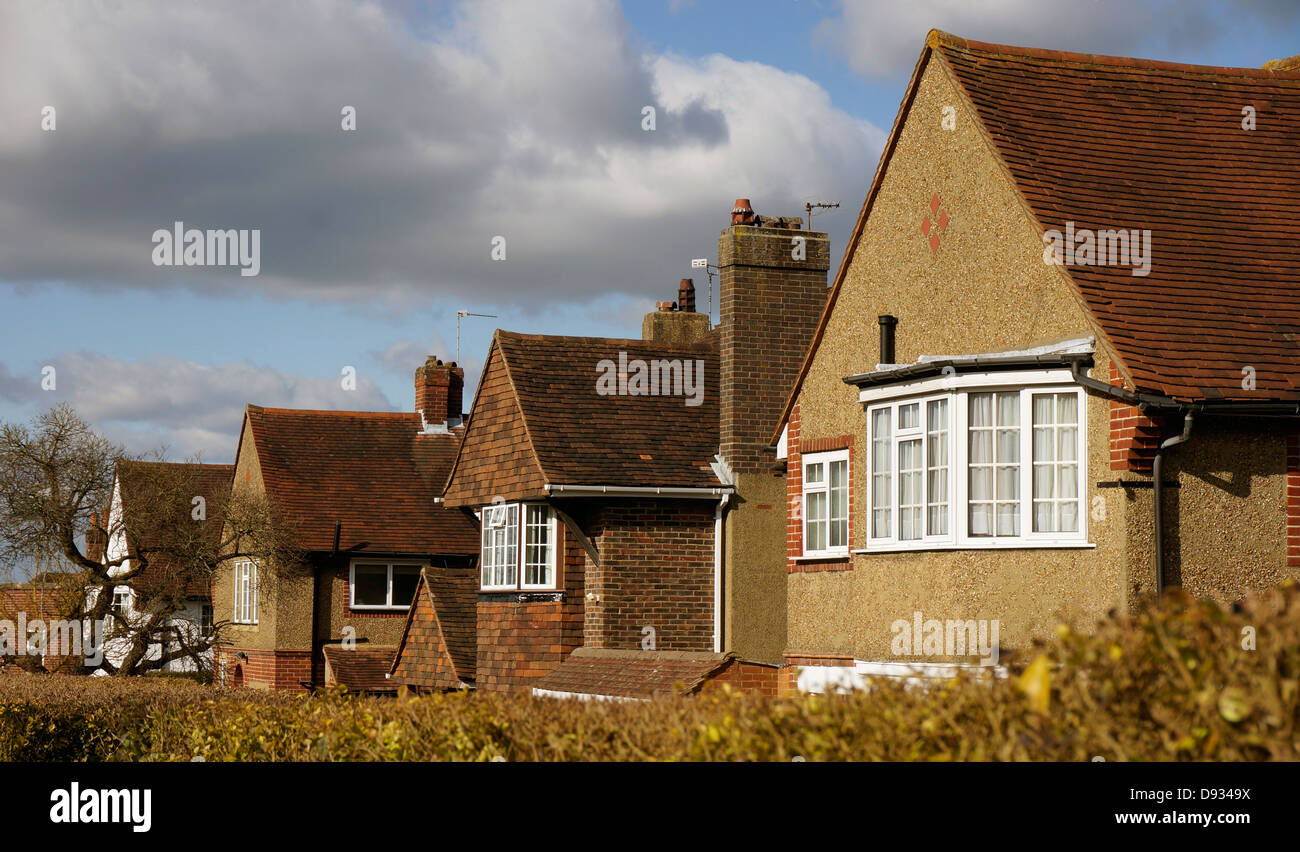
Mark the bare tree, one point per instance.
(160, 530)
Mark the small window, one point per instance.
(383, 585)
(519, 546)
(205, 619)
(121, 604)
(245, 592)
(826, 503)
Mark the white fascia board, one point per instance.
(960, 381)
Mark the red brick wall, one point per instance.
(745, 676)
(656, 571)
(794, 487)
(795, 448)
(1293, 500)
(788, 677)
(1134, 437)
(280, 669)
(524, 635)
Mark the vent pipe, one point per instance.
(887, 324)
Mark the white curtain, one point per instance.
(838, 523)
(909, 489)
(937, 466)
(880, 468)
(1056, 465)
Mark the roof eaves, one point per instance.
(978, 363)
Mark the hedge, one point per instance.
(1187, 680)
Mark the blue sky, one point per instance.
(474, 120)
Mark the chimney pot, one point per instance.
(742, 213)
(686, 295)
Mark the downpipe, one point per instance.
(1158, 489)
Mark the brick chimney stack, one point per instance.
(772, 291)
(96, 540)
(439, 392)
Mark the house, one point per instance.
(139, 494)
(631, 506)
(359, 491)
(32, 612)
(1085, 389)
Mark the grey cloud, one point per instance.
(190, 407)
(883, 39)
(520, 120)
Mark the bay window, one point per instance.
(826, 503)
(975, 467)
(518, 546)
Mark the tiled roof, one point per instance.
(582, 437)
(438, 649)
(1110, 143)
(375, 472)
(632, 674)
(138, 479)
(361, 669)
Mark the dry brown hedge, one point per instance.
(1171, 683)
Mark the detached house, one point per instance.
(142, 489)
(1081, 271)
(631, 507)
(359, 490)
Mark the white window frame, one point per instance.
(921, 432)
(389, 564)
(826, 459)
(521, 542)
(245, 611)
(957, 390)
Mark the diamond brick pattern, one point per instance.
(1110, 142)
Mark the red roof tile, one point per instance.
(376, 473)
(438, 649)
(1109, 143)
(582, 437)
(360, 669)
(633, 674)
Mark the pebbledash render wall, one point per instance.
(983, 287)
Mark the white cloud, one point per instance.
(517, 119)
(189, 407)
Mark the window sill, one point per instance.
(827, 557)
(1011, 545)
